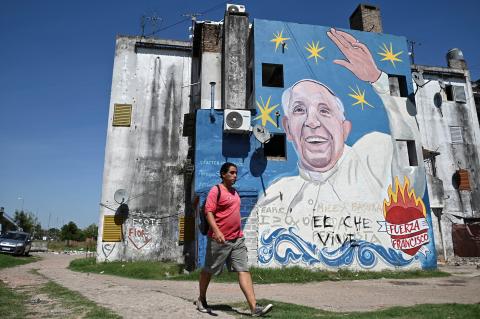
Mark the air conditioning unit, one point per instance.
(237, 121)
(235, 8)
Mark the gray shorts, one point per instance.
(234, 252)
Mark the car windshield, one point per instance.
(15, 236)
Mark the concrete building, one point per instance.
(448, 121)
(398, 174)
(291, 216)
(144, 190)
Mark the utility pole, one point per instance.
(193, 17)
(412, 50)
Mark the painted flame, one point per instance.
(402, 197)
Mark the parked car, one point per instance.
(16, 242)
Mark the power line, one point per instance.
(189, 18)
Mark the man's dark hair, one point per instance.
(225, 167)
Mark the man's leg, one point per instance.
(246, 284)
(239, 262)
(203, 284)
(215, 257)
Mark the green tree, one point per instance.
(91, 231)
(27, 221)
(53, 234)
(71, 231)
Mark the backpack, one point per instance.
(204, 226)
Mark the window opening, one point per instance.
(275, 148)
(407, 152)
(398, 85)
(272, 75)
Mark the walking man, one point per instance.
(225, 241)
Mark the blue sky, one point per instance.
(56, 62)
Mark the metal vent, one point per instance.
(111, 230)
(186, 229)
(122, 115)
(234, 120)
(456, 134)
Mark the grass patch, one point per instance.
(426, 311)
(62, 246)
(172, 271)
(12, 304)
(76, 302)
(302, 275)
(137, 269)
(12, 261)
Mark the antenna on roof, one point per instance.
(152, 20)
(412, 43)
(193, 17)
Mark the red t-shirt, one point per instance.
(226, 212)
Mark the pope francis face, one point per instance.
(316, 125)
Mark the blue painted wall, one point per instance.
(308, 53)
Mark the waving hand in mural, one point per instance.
(358, 60)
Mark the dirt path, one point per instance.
(133, 298)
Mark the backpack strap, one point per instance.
(219, 193)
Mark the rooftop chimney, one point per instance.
(366, 18)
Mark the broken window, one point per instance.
(398, 85)
(275, 148)
(407, 152)
(459, 94)
(449, 92)
(272, 75)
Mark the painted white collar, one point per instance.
(323, 177)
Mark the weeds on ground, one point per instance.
(302, 275)
(75, 302)
(427, 311)
(172, 271)
(61, 246)
(12, 261)
(12, 303)
(137, 269)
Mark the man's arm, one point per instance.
(360, 62)
(217, 234)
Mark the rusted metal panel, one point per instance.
(464, 184)
(466, 240)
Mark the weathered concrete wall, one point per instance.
(435, 120)
(147, 158)
(208, 43)
(211, 72)
(234, 63)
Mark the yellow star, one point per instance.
(279, 39)
(388, 54)
(359, 96)
(314, 50)
(265, 110)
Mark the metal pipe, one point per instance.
(212, 100)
